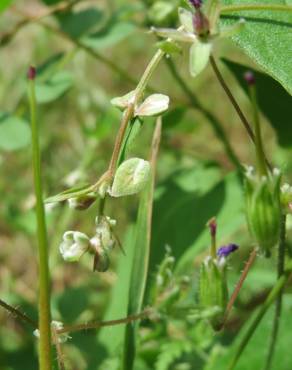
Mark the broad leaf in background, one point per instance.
(184, 204)
(54, 87)
(79, 23)
(266, 38)
(255, 353)
(273, 100)
(109, 36)
(14, 132)
(4, 4)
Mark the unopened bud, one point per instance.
(263, 208)
(101, 260)
(249, 78)
(213, 289)
(31, 73)
(82, 202)
(201, 24)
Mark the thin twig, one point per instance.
(99, 324)
(278, 307)
(239, 284)
(17, 313)
(60, 355)
(194, 103)
(232, 99)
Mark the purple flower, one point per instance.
(249, 78)
(225, 250)
(196, 3)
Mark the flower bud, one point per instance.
(263, 208)
(213, 291)
(74, 245)
(101, 260)
(104, 236)
(82, 202)
(131, 177)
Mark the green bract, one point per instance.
(213, 293)
(263, 208)
(131, 177)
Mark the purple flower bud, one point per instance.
(225, 250)
(249, 78)
(31, 73)
(212, 226)
(201, 24)
(196, 3)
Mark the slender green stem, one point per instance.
(275, 291)
(99, 324)
(261, 163)
(219, 132)
(239, 284)
(45, 349)
(278, 308)
(242, 7)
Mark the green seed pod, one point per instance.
(213, 292)
(263, 208)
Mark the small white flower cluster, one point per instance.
(56, 325)
(75, 243)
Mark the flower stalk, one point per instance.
(45, 348)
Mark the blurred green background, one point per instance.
(86, 55)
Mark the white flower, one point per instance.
(74, 245)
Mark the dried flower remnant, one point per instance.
(225, 251)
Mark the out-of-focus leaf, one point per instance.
(79, 23)
(14, 132)
(255, 353)
(110, 36)
(4, 4)
(54, 87)
(72, 303)
(266, 38)
(186, 201)
(273, 100)
(173, 117)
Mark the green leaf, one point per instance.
(54, 87)
(14, 132)
(255, 353)
(79, 23)
(4, 4)
(266, 38)
(273, 100)
(109, 36)
(141, 249)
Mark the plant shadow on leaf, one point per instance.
(72, 303)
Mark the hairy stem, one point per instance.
(211, 118)
(275, 291)
(45, 349)
(99, 324)
(17, 313)
(239, 284)
(241, 7)
(231, 98)
(278, 307)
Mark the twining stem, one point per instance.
(234, 103)
(231, 98)
(45, 349)
(261, 164)
(278, 307)
(239, 284)
(17, 313)
(99, 324)
(242, 7)
(210, 117)
(275, 291)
